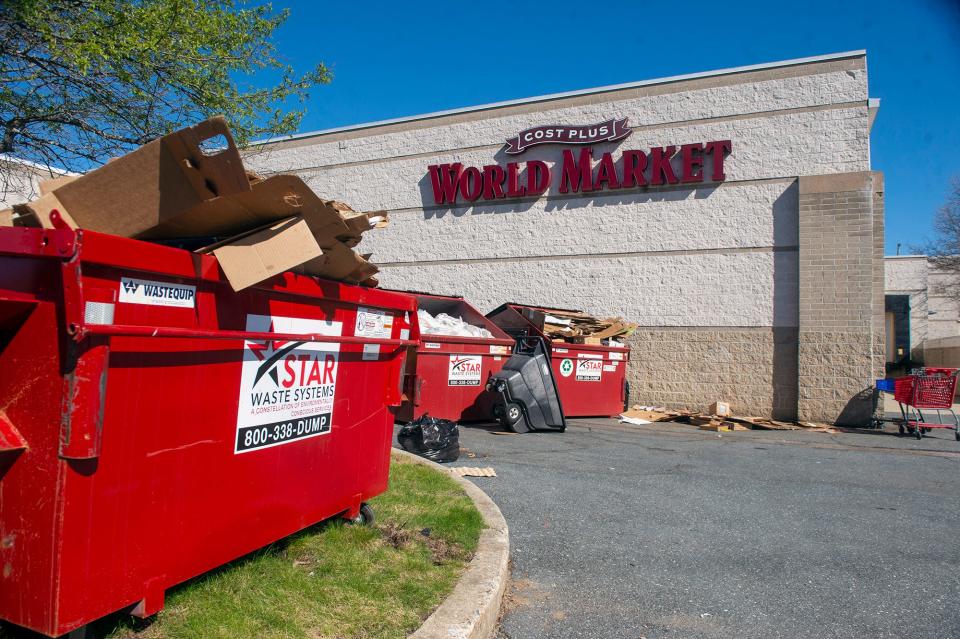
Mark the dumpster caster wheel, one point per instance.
(957, 435)
(900, 427)
(366, 516)
(918, 433)
(513, 418)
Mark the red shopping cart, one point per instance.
(927, 389)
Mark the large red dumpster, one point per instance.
(591, 378)
(155, 424)
(447, 376)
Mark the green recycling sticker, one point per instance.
(566, 367)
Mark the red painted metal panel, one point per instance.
(593, 383)
(10, 438)
(591, 378)
(136, 475)
(433, 387)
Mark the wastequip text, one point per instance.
(691, 164)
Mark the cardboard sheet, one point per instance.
(257, 256)
(160, 183)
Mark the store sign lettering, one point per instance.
(609, 131)
(581, 172)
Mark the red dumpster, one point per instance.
(155, 424)
(447, 376)
(591, 378)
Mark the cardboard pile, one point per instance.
(718, 418)
(190, 189)
(577, 327)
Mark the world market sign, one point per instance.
(579, 172)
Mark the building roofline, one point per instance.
(35, 165)
(905, 257)
(566, 94)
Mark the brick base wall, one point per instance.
(841, 336)
(755, 370)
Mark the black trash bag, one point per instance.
(436, 439)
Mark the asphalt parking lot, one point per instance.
(663, 531)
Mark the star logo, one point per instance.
(458, 363)
(270, 353)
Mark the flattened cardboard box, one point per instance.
(161, 183)
(266, 252)
(339, 262)
(49, 186)
(266, 201)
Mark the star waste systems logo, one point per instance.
(464, 370)
(287, 386)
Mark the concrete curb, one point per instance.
(472, 609)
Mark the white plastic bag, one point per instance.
(444, 324)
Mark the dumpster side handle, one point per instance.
(84, 398)
(123, 330)
(417, 390)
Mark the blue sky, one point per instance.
(404, 58)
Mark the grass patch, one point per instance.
(333, 580)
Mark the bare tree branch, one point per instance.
(944, 250)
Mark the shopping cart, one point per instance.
(927, 389)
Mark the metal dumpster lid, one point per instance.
(401, 290)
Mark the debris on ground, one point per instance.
(470, 471)
(648, 414)
(715, 421)
(818, 427)
(189, 190)
(721, 409)
(720, 425)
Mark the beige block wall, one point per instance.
(754, 369)
(711, 271)
(879, 305)
(841, 337)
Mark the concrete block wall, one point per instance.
(754, 369)
(709, 269)
(841, 344)
(776, 92)
(879, 306)
(723, 288)
(829, 139)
